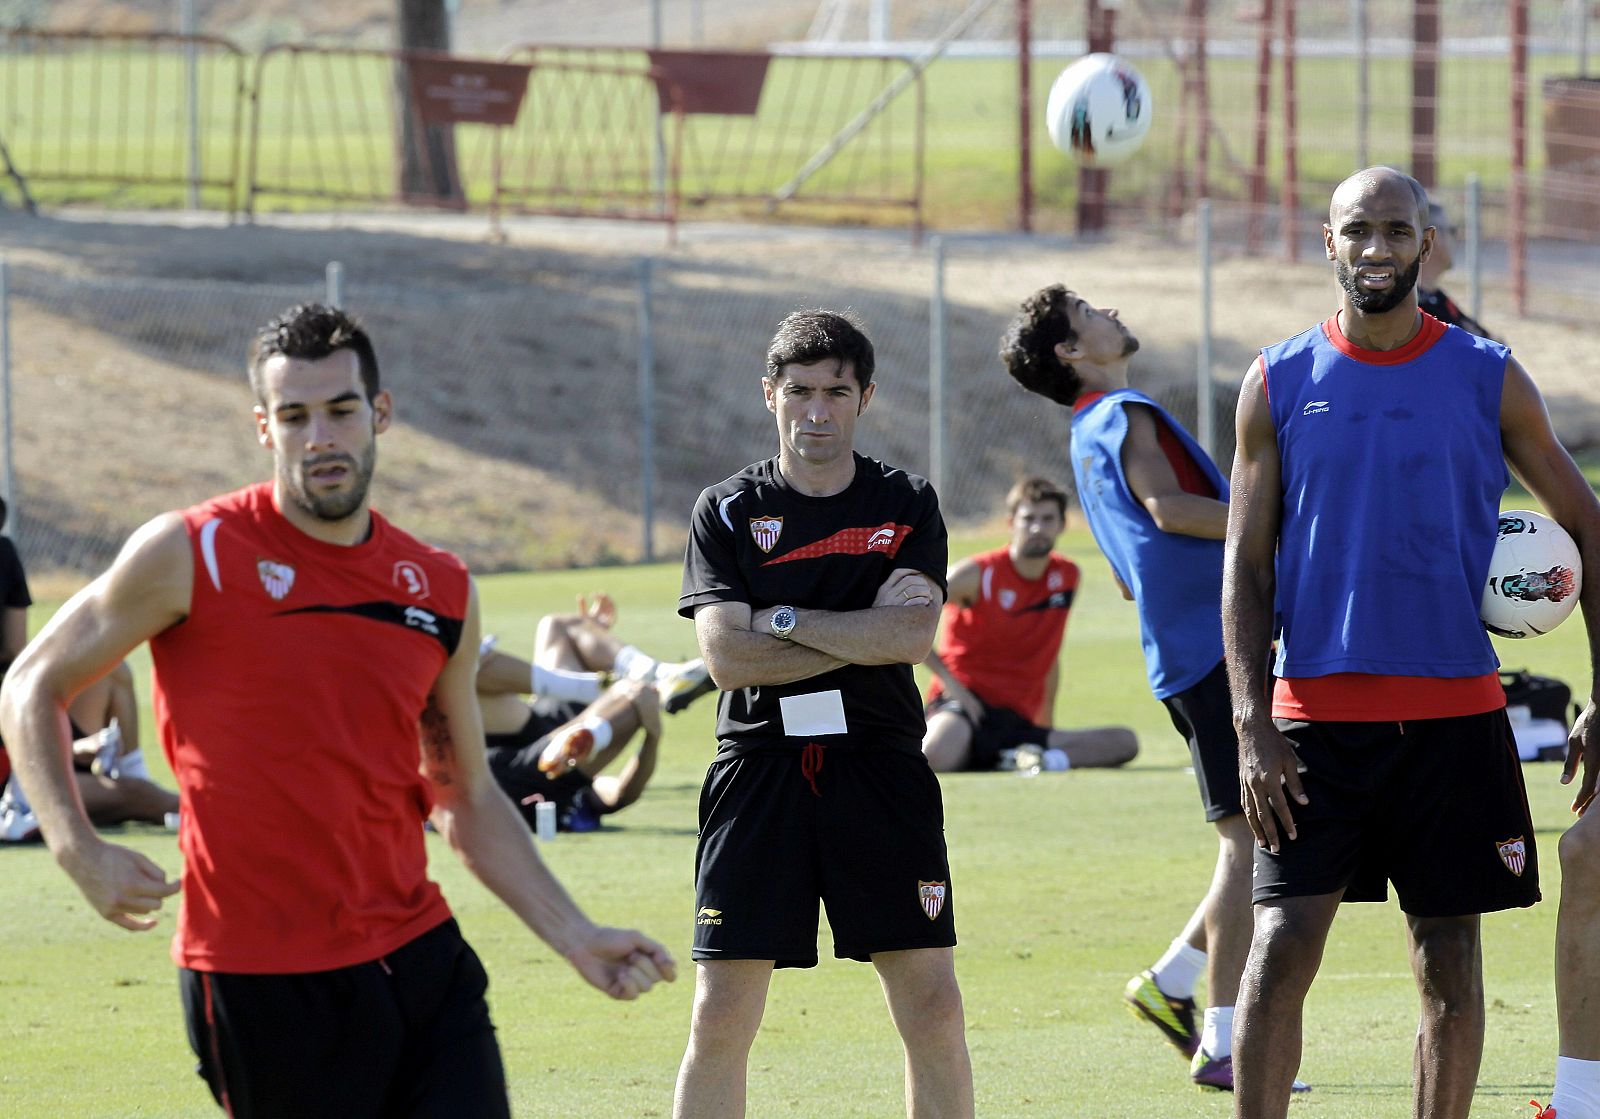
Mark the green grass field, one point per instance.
(77, 123)
(1064, 885)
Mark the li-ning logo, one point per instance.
(1315, 406)
(708, 916)
(1514, 853)
(277, 578)
(425, 620)
(883, 538)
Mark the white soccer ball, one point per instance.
(1099, 110)
(1534, 576)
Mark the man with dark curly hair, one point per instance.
(1157, 506)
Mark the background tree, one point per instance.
(428, 154)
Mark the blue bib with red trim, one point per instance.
(1392, 471)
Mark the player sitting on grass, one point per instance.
(996, 668)
(554, 748)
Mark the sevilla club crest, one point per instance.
(765, 531)
(932, 895)
(277, 578)
(1514, 853)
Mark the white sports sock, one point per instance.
(1177, 971)
(132, 764)
(1216, 1038)
(634, 664)
(1577, 1091)
(600, 728)
(558, 683)
(16, 796)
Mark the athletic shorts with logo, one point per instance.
(514, 762)
(1203, 714)
(408, 1034)
(860, 830)
(1436, 806)
(1000, 729)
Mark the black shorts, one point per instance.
(1203, 714)
(1436, 806)
(1000, 729)
(514, 762)
(407, 1035)
(861, 830)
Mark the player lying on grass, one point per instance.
(555, 749)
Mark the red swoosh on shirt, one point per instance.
(885, 538)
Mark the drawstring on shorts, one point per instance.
(811, 764)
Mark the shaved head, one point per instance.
(1373, 182)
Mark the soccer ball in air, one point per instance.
(1099, 110)
(1534, 576)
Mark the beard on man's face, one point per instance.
(1376, 302)
(333, 506)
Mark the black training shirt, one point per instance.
(756, 540)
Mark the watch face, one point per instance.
(783, 620)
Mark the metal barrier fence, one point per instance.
(157, 116)
(348, 125)
(592, 140)
(117, 118)
(757, 132)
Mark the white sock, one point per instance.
(558, 683)
(1177, 971)
(1056, 761)
(1216, 1038)
(600, 728)
(132, 765)
(634, 664)
(16, 796)
(1577, 1090)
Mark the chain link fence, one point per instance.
(564, 406)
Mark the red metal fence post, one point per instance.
(1258, 167)
(1291, 140)
(1517, 237)
(1425, 92)
(1202, 100)
(1092, 180)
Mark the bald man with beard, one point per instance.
(1372, 453)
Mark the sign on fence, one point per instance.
(466, 91)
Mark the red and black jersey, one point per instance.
(756, 540)
(288, 701)
(1002, 646)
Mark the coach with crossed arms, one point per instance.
(815, 580)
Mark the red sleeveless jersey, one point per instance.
(1002, 646)
(287, 703)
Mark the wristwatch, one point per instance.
(783, 619)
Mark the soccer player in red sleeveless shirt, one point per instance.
(997, 665)
(1355, 776)
(303, 646)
